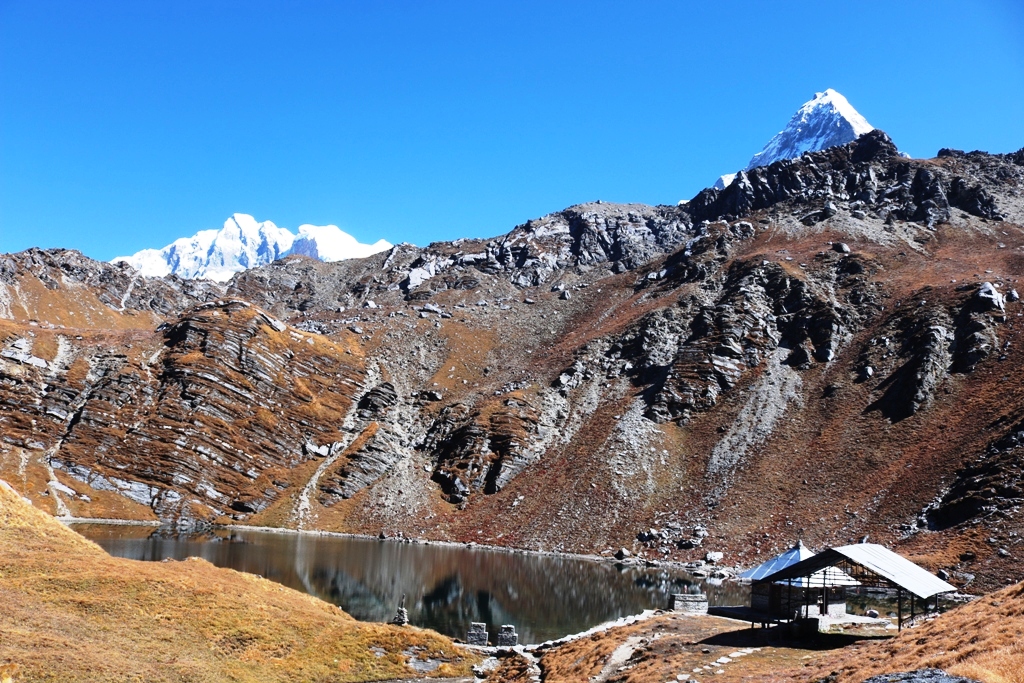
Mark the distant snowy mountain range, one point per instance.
(244, 243)
(825, 121)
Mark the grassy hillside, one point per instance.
(983, 639)
(73, 613)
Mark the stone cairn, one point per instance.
(507, 636)
(402, 615)
(477, 634)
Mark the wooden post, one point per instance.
(899, 612)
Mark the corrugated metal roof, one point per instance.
(790, 557)
(875, 558)
(830, 576)
(896, 568)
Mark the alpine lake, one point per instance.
(446, 587)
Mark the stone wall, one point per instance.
(690, 604)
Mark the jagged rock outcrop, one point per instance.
(482, 451)
(68, 274)
(379, 450)
(377, 401)
(615, 237)
(758, 308)
(867, 171)
(927, 342)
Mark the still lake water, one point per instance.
(446, 587)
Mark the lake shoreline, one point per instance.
(630, 561)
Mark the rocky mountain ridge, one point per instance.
(818, 350)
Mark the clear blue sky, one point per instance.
(126, 125)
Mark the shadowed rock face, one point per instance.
(821, 349)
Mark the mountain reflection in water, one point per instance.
(446, 587)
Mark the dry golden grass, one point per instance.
(470, 349)
(983, 639)
(70, 612)
(77, 308)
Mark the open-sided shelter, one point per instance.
(822, 592)
(869, 565)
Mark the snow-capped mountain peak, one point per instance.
(244, 243)
(826, 120)
(331, 243)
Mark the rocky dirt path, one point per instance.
(618, 658)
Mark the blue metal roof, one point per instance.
(829, 576)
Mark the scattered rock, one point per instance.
(920, 676)
(988, 298)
